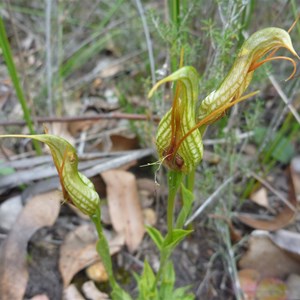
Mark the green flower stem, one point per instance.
(174, 12)
(190, 181)
(103, 248)
(164, 255)
(174, 181)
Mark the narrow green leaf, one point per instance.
(8, 58)
(102, 248)
(281, 148)
(156, 236)
(103, 251)
(167, 283)
(6, 170)
(119, 294)
(187, 198)
(146, 284)
(171, 241)
(181, 294)
(284, 150)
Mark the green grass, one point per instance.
(8, 57)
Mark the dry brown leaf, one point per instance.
(71, 293)
(260, 197)
(148, 185)
(117, 139)
(266, 258)
(282, 219)
(293, 286)
(147, 189)
(255, 288)
(211, 157)
(287, 240)
(40, 211)
(124, 206)
(105, 216)
(9, 211)
(97, 272)
(123, 142)
(110, 70)
(271, 289)
(249, 279)
(91, 292)
(150, 217)
(79, 251)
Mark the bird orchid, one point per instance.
(178, 140)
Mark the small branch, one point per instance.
(93, 168)
(148, 39)
(267, 185)
(284, 98)
(48, 9)
(238, 137)
(209, 200)
(108, 116)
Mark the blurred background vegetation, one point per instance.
(72, 54)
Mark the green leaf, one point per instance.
(119, 294)
(156, 236)
(6, 170)
(177, 235)
(187, 198)
(281, 148)
(284, 151)
(259, 134)
(103, 250)
(181, 294)
(148, 274)
(12, 70)
(167, 283)
(167, 291)
(146, 284)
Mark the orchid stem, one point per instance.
(103, 248)
(190, 181)
(174, 181)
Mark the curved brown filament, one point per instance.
(60, 175)
(294, 23)
(271, 55)
(258, 64)
(175, 115)
(210, 117)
